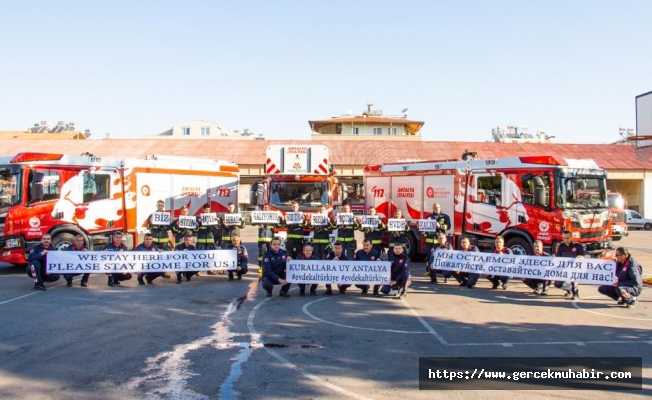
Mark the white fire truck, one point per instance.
(66, 195)
(521, 198)
(301, 173)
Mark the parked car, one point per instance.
(637, 221)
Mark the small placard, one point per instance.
(187, 222)
(160, 218)
(319, 220)
(427, 225)
(396, 225)
(345, 218)
(369, 221)
(265, 217)
(208, 219)
(232, 219)
(293, 218)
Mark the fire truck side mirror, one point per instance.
(343, 192)
(36, 187)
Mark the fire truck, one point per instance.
(68, 195)
(521, 198)
(298, 173)
(617, 206)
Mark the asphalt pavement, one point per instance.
(210, 338)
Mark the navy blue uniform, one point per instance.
(432, 239)
(294, 242)
(149, 276)
(228, 231)
(373, 255)
(375, 235)
(159, 234)
(433, 272)
(321, 239)
(187, 274)
(205, 235)
(471, 277)
(400, 274)
(538, 284)
(573, 250)
(629, 280)
(398, 237)
(496, 279)
(115, 279)
(346, 236)
(68, 277)
(329, 287)
(274, 268)
(37, 265)
(302, 286)
(243, 260)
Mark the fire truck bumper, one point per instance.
(13, 256)
(597, 247)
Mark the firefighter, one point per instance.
(179, 232)
(274, 269)
(346, 234)
(465, 245)
(229, 231)
(398, 237)
(148, 245)
(265, 236)
(442, 224)
(161, 236)
(78, 245)
(570, 249)
(336, 255)
(243, 258)
(206, 234)
(117, 245)
(628, 284)
(500, 248)
(367, 253)
(185, 246)
(442, 244)
(308, 254)
(321, 236)
(400, 273)
(538, 286)
(375, 234)
(294, 242)
(37, 262)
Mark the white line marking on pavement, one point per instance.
(313, 316)
(576, 305)
(29, 294)
(424, 323)
(252, 330)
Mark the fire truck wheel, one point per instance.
(62, 240)
(411, 246)
(647, 226)
(519, 245)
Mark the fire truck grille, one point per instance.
(593, 235)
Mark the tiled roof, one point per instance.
(251, 152)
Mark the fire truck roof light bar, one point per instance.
(31, 157)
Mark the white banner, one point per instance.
(339, 272)
(319, 220)
(396, 225)
(369, 221)
(187, 222)
(345, 218)
(427, 225)
(580, 270)
(208, 219)
(265, 217)
(104, 262)
(232, 219)
(293, 218)
(160, 218)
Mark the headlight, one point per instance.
(12, 243)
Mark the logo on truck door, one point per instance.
(378, 192)
(223, 192)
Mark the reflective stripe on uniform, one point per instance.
(293, 236)
(339, 239)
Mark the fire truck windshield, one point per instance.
(581, 192)
(307, 194)
(10, 188)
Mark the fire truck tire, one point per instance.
(647, 226)
(519, 245)
(62, 240)
(411, 246)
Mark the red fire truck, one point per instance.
(66, 195)
(298, 173)
(521, 198)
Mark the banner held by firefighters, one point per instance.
(104, 262)
(579, 270)
(339, 272)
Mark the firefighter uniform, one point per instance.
(68, 277)
(539, 286)
(187, 274)
(431, 237)
(228, 231)
(160, 236)
(400, 273)
(362, 255)
(571, 251)
(396, 237)
(472, 278)
(375, 235)
(149, 276)
(329, 287)
(205, 235)
(274, 268)
(496, 279)
(265, 236)
(180, 233)
(37, 266)
(294, 242)
(321, 239)
(116, 278)
(302, 286)
(346, 236)
(433, 272)
(243, 261)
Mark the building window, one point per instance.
(355, 130)
(205, 130)
(391, 131)
(378, 131)
(185, 130)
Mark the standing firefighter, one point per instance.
(443, 223)
(321, 236)
(265, 236)
(228, 231)
(294, 243)
(374, 235)
(346, 234)
(206, 234)
(160, 233)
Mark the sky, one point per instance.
(133, 68)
